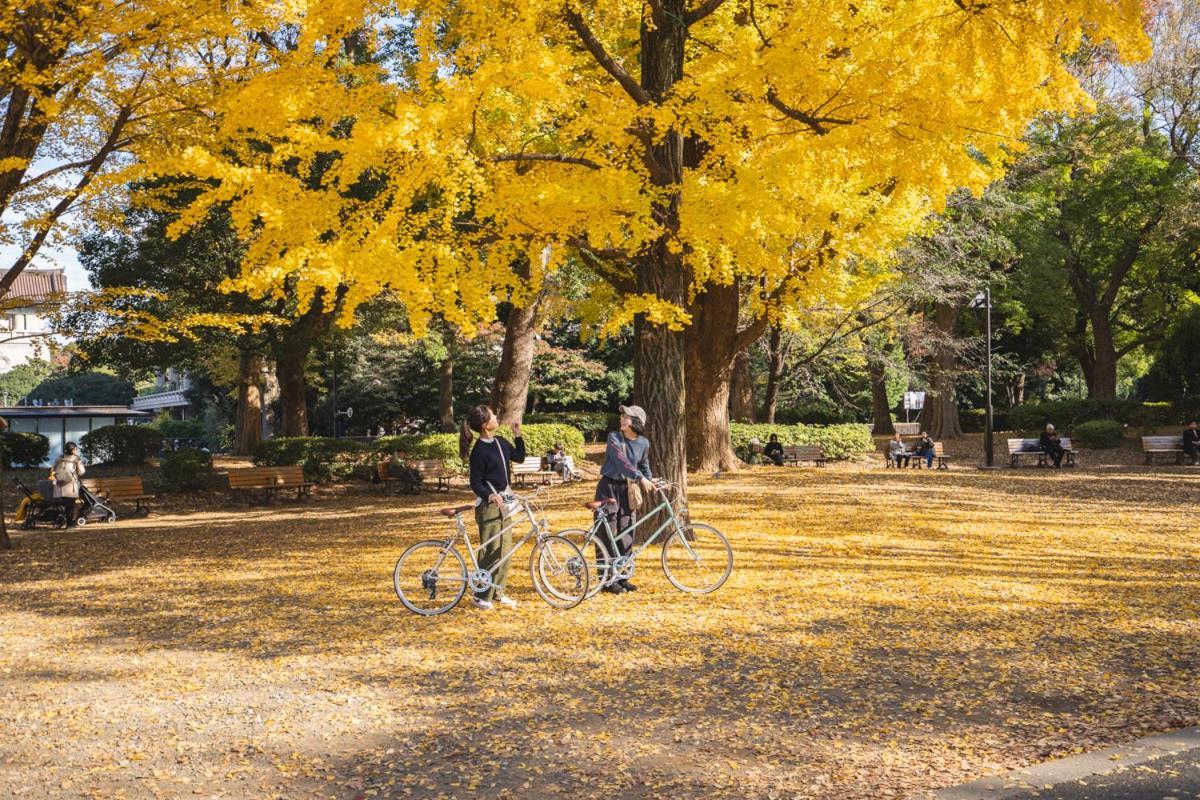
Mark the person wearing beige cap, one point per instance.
(626, 458)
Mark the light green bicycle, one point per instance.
(431, 577)
(696, 558)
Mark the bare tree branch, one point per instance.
(819, 125)
(593, 45)
(701, 11)
(553, 157)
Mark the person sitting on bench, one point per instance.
(1051, 446)
(1191, 442)
(897, 452)
(556, 460)
(925, 449)
(774, 451)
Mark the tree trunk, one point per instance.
(881, 409)
(510, 392)
(774, 373)
(5, 542)
(741, 389)
(1015, 390)
(247, 429)
(939, 417)
(711, 350)
(1103, 383)
(290, 366)
(659, 270)
(446, 380)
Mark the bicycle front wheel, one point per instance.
(559, 572)
(595, 556)
(430, 578)
(698, 562)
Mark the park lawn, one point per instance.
(884, 633)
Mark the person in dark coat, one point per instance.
(774, 451)
(1191, 442)
(1051, 446)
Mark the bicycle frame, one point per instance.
(672, 520)
(536, 530)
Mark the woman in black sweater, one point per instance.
(489, 460)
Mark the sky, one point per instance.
(49, 257)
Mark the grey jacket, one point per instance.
(626, 458)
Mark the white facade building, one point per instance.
(24, 329)
(168, 393)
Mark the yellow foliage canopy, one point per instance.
(812, 135)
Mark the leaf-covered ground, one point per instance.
(884, 633)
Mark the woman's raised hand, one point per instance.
(516, 429)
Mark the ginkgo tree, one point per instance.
(673, 146)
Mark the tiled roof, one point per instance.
(36, 285)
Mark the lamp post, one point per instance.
(984, 300)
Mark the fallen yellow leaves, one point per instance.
(882, 634)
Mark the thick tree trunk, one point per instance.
(247, 429)
(510, 392)
(710, 343)
(741, 389)
(881, 410)
(939, 417)
(446, 381)
(1015, 390)
(658, 351)
(774, 374)
(5, 542)
(290, 366)
(1103, 382)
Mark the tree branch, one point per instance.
(593, 45)
(701, 11)
(553, 157)
(819, 125)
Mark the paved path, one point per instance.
(1163, 767)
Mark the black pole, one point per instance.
(336, 428)
(987, 434)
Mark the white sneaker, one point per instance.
(506, 601)
(482, 605)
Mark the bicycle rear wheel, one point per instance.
(595, 556)
(430, 578)
(698, 562)
(559, 572)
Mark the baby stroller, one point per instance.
(40, 506)
(92, 509)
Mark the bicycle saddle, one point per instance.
(592, 505)
(450, 512)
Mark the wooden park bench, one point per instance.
(125, 489)
(1157, 445)
(939, 456)
(1020, 448)
(432, 469)
(795, 454)
(383, 469)
(571, 471)
(268, 481)
(532, 469)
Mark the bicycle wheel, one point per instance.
(559, 572)
(700, 561)
(595, 556)
(430, 578)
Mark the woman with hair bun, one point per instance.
(489, 459)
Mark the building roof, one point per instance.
(36, 285)
(71, 411)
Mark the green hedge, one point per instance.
(973, 420)
(24, 449)
(815, 414)
(1098, 434)
(127, 445)
(594, 425)
(186, 469)
(1066, 414)
(838, 441)
(325, 459)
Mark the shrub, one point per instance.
(838, 441)
(24, 449)
(815, 413)
(539, 438)
(323, 458)
(179, 428)
(186, 469)
(1066, 414)
(419, 445)
(593, 424)
(973, 420)
(126, 445)
(1099, 434)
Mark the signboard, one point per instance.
(914, 401)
